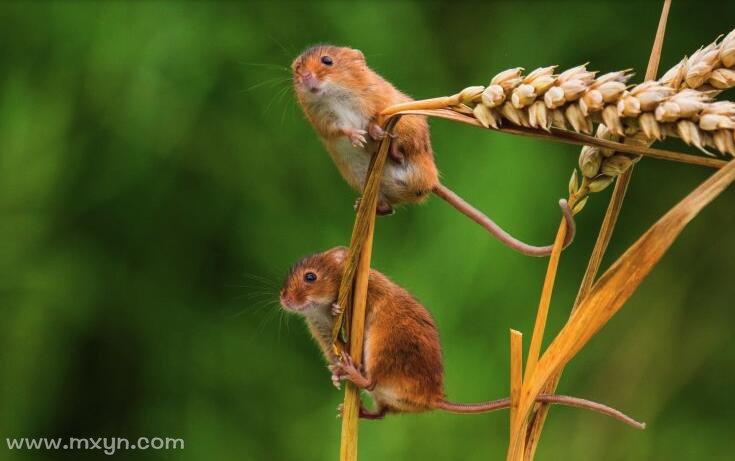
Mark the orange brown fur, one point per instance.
(403, 370)
(402, 358)
(342, 98)
(348, 95)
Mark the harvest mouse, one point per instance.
(402, 367)
(342, 98)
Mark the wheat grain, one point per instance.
(680, 104)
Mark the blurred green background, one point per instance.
(157, 180)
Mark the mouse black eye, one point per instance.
(326, 60)
(310, 277)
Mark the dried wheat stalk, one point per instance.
(680, 104)
(610, 293)
(353, 292)
(538, 417)
(578, 98)
(558, 135)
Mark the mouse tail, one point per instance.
(470, 408)
(496, 231)
(484, 407)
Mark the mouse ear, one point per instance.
(358, 55)
(339, 254)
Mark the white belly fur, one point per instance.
(351, 161)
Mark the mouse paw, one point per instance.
(337, 375)
(376, 132)
(348, 370)
(384, 209)
(336, 381)
(356, 137)
(364, 413)
(337, 310)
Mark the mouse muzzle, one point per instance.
(308, 82)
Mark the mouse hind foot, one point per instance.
(384, 208)
(345, 369)
(378, 413)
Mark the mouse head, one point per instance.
(323, 69)
(314, 281)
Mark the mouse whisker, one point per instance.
(256, 308)
(275, 81)
(287, 51)
(277, 97)
(266, 65)
(260, 279)
(286, 106)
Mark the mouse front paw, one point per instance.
(376, 132)
(356, 136)
(337, 376)
(337, 310)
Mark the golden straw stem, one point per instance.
(547, 290)
(520, 421)
(619, 282)
(658, 42)
(516, 374)
(351, 407)
(571, 137)
(423, 104)
(621, 185)
(603, 239)
(365, 212)
(362, 246)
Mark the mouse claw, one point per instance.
(347, 365)
(337, 375)
(346, 369)
(337, 310)
(356, 137)
(340, 410)
(337, 382)
(376, 132)
(385, 209)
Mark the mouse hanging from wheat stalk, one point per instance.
(343, 99)
(402, 366)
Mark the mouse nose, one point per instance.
(286, 300)
(308, 79)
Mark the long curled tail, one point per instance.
(470, 408)
(483, 407)
(508, 240)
